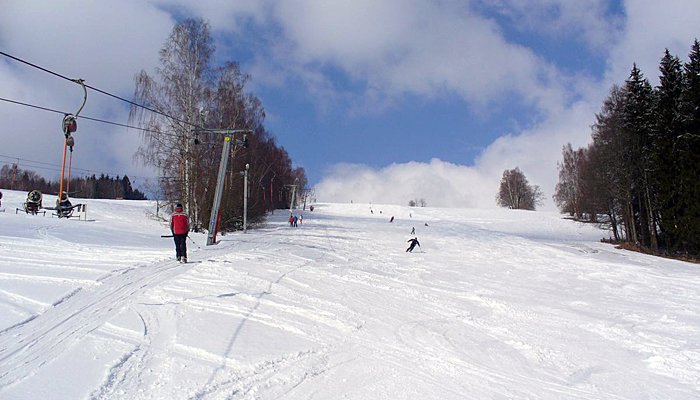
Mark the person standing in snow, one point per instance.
(180, 226)
(413, 243)
(413, 230)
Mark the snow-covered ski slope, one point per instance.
(495, 304)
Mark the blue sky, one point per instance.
(380, 101)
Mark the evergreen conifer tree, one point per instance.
(688, 156)
(669, 124)
(639, 122)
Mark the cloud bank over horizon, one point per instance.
(535, 149)
(439, 183)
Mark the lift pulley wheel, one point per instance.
(70, 124)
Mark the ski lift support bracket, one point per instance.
(229, 135)
(70, 121)
(70, 125)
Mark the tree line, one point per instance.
(642, 167)
(203, 96)
(105, 187)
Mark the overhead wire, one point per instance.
(98, 90)
(55, 167)
(86, 117)
(32, 105)
(81, 173)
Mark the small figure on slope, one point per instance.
(413, 243)
(180, 226)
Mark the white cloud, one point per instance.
(649, 28)
(395, 47)
(389, 49)
(106, 46)
(224, 16)
(588, 22)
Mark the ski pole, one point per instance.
(188, 237)
(192, 240)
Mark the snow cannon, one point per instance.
(33, 203)
(64, 208)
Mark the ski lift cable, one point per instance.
(141, 106)
(87, 118)
(81, 82)
(36, 66)
(54, 167)
(85, 173)
(57, 168)
(32, 105)
(88, 171)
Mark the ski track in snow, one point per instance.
(500, 305)
(27, 347)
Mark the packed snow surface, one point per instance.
(494, 304)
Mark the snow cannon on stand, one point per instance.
(33, 203)
(64, 208)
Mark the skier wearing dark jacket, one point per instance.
(413, 243)
(180, 226)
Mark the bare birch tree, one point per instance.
(190, 103)
(179, 89)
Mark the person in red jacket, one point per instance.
(180, 226)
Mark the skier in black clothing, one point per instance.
(413, 243)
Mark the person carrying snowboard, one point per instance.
(180, 226)
(413, 243)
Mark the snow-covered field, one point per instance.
(496, 304)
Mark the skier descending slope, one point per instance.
(413, 243)
(180, 226)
